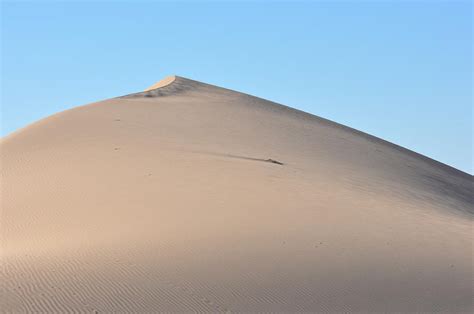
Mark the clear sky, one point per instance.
(399, 70)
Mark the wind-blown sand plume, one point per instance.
(190, 197)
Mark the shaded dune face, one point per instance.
(191, 197)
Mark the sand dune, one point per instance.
(190, 197)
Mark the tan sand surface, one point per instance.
(190, 197)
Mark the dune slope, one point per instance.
(191, 197)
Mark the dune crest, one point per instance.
(162, 83)
(190, 197)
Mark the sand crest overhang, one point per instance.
(164, 82)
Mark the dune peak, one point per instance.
(162, 83)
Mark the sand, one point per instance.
(190, 197)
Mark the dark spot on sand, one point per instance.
(273, 161)
(270, 160)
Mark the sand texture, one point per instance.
(189, 197)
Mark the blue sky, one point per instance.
(399, 70)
